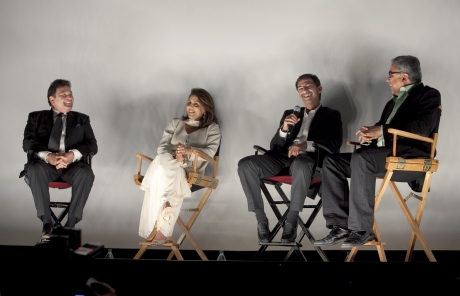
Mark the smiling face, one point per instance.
(62, 101)
(309, 93)
(194, 108)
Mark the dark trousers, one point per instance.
(254, 167)
(352, 204)
(78, 174)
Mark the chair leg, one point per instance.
(377, 243)
(419, 213)
(306, 231)
(186, 228)
(144, 245)
(187, 234)
(414, 223)
(378, 239)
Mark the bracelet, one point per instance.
(46, 158)
(281, 128)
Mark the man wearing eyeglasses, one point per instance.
(348, 208)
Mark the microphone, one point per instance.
(296, 112)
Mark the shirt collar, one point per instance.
(311, 111)
(405, 90)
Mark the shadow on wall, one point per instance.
(364, 108)
(338, 97)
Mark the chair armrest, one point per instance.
(213, 161)
(138, 177)
(354, 144)
(413, 136)
(401, 133)
(323, 147)
(258, 149)
(142, 156)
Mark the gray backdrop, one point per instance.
(133, 63)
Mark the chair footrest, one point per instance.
(293, 244)
(374, 243)
(190, 210)
(167, 244)
(58, 204)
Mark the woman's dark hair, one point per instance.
(207, 102)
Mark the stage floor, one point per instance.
(36, 271)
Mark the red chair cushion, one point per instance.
(59, 185)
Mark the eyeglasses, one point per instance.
(391, 73)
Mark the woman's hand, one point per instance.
(182, 152)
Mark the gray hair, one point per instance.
(409, 65)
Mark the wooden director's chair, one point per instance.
(196, 182)
(417, 167)
(283, 200)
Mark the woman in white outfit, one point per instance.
(165, 181)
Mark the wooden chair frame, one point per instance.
(394, 163)
(196, 182)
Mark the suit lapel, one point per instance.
(48, 119)
(413, 95)
(71, 123)
(316, 120)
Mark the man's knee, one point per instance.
(302, 164)
(35, 168)
(85, 172)
(244, 164)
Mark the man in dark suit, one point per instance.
(293, 148)
(349, 210)
(63, 159)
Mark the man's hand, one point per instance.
(290, 120)
(60, 160)
(368, 133)
(295, 149)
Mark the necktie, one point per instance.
(55, 137)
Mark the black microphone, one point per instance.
(296, 112)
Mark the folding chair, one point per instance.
(57, 216)
(314, 193)
(421, 168)
(196, 182)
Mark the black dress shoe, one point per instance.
(357, 238)
(289, 232)
(47, 228)
(263, 232)
(337, 235)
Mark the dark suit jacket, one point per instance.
(325, 129)
(418, 114)
(79, 133)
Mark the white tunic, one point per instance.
(166, 178)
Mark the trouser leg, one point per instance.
(81, 177)
(40, 174)
(301, 171)
(254, 167)
(335, 191)
(366, 164)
